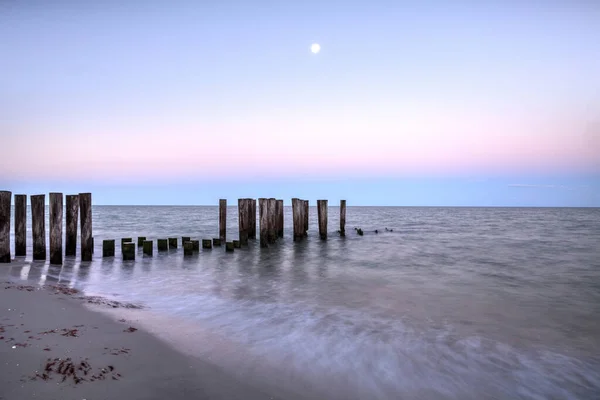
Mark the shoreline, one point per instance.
(56, 343)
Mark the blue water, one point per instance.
(455, 303)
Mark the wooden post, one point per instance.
(55, 223)
(216, 242)
(128, 251)
(125, 240)
(172, 243)
(85, 214)
(322, 214)
(243, 221)
(71, 225)
(252, 218)
(147, 246)
(279, 218)
(272, 215)
(297, 218)
(38, 226)
(185, 239)
(342, 217)
(206, 244)
(306, 208)
(236, 244)
(20, 225)
(162, 244)
(223, 219)
(195, 245)
(108, 248)
(188, 248)
(5, 201)
(141, 240)
(264, 221)
(229, 247)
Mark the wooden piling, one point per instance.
(128, 251)
(264, 221)
(322, 215)
(108, 248)
(85, 215)
(206, 244)
(306, 208)
(236, 244)
(342, 217)
(229, 247)
(20, 225)
(140, 241)
(125, 240)
(188, 248)
(72, 218)
(148, 247)
(222, 219)
(272, 211)
(162, 244)
(185, 239)
(5, 209)
(216, 242)
(195, 245)
(297, 218)
(55, 223)
(279, 209)
(38, 226)
(172, 243)
(243, 221)
(252, 218)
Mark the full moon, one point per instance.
(315, 48)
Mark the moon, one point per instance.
(315, 48)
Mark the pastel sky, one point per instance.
(408, 103)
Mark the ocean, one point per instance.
(454, 303)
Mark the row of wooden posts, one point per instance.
(79, 206)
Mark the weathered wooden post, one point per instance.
(216, 242)
(229, 247)
(342, 217)
(264, 221)
(172, 243)
(128, 251)
(38, 226)
(297, 218)
(162, 244)
(188, 248)
(5, 201)
(141, 240)
(20, 225)
(55, 223)
(85, 215)
(279, 209)
(71, 224)
(125, 240)
(236, 244)
(147, 247)
(206, 244)
(185, 239)
(252, 218)
(223, 219)
(272, 215)
(322, 215)
(243, 221)
(306, 208)
(195, 245)
(108, 248)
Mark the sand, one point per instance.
(52, 346)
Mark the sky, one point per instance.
(488, 103)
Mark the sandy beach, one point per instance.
(54, 347)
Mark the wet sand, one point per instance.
(54, 347)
